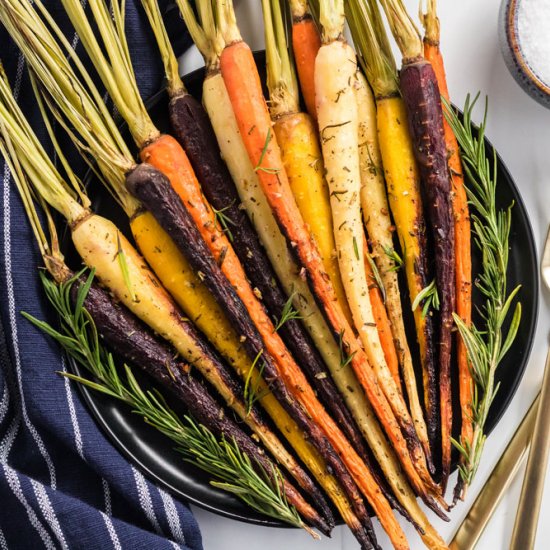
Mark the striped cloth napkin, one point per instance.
(62, 483)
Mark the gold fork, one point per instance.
(533, 431)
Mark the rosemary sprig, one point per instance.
(239, 476)
(232, 470)
(355, 248)
(259, 166)
(486, 345)
(376, 276)
(121, 256)
(250, 392)
(345, 357)
(392, 254)
(430, 297)
(223, 220)
(288, 313)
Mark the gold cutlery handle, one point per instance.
(525, 527)
(469, 532)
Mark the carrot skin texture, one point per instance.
(216, 102)
(194, 131)
(148, 185)
(403, 186)
(463, 258)
(157, 194)
(126, 336)
(298, 140)
(301, 155)
(201, 308)
(422, 97)
(382, 322)
(339, 134)
(244, 89)
(305, 44)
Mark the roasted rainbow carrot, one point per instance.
(193, 129)
(304, 449)
(403, 186)
(376, 213)
(306, 42)
(463, 253)
(219, 108)
(309, 188)
(421, 95)
(338, 120)
(383, 325)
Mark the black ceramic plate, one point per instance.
(154, 454)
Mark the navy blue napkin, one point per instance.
(62, 483)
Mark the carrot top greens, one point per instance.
(20, 142)
(373, 47)
(403, 28)
(71, 95)
(169, 59)
(49, 248)
(113, 63)
(299, 8)
(281, 77)
(430, 21)
(332, 19)
(227, 22)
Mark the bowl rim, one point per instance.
(512, 33)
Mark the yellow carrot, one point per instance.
(402, 180)
(376, 213)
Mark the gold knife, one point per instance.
(527, 515)
(471, 529)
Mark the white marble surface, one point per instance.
(520, 129)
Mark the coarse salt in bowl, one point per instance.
(525, 43)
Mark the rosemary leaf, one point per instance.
(356, 248)
(288, 313)
(345, 357)
(377, 277)
(250, 392)
(392, 254)
(259, 166)
(429, 296)
(124, 267)
(224, 221)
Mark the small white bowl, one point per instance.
(515, 56)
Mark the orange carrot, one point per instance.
(382, 321)
(463, 259)
(306, 42)
(244, 88)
